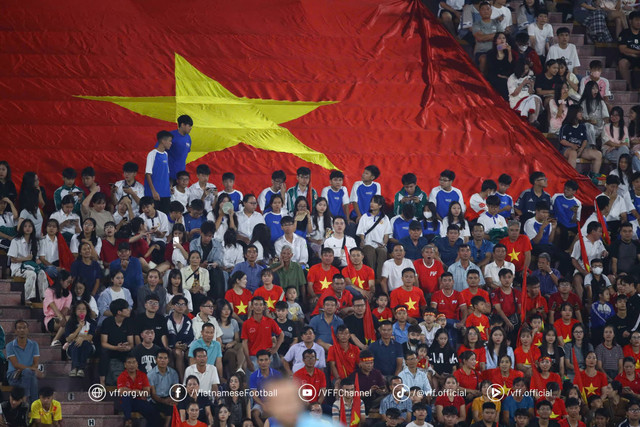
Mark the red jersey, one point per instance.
(563, 330)
(270, 297)
(467, 381)
(138, 383)
(527, 358)
(556, 301)
(540, 385)
(539, 301)
(593, 385)
(241, 302)
(449, 305)
(634, 384)
(351, 358)
(198, 424)
(565, 423)
(537, 339)
(413, 299)
(318, 380)
(428, 276)
(627, 351)
(346, 300)
(386, 314)
(508, 302)
(482, 323)
(481, 355)
(516, 250)
(495, 376)
(558, 410)
(109, 252)
(139, 248)
(258, 333)
(360, 278)
(467, 295)
(444, 401)
(321, 279)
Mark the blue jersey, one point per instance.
(429, 230)
(635, 200)
(401, 228)
(536, 227)
(273, 222)
(180, 148)
(158, 167)
(362, 194)
(443, 199)
(236, 198)
(505, 200)
(561, 209)
(336, 200)
(191, 223)
(528, 199)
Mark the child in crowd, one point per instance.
(180, 191)
(68, 188)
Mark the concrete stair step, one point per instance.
(586, 59)
(555, 17)
(624, 96)
(86, 410)
(43, 339)
(11, 298)
(93, 420)
(626, 107)
(34, 325)
(577, 39)
(5, 285)
(607, 73)
(585, 50)
(618, 85)
(557, 25)
(63, 383)
(20, 312)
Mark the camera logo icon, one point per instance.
(307, 392)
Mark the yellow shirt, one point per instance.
(477, 403)
(46, 417)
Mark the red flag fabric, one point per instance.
(175, 418)
(583, 249)
(523, 313)
(369, 329)
(343, 412)
(341, 363)
(65, 257)
(355, 406)
(577, 380)
(288, 83)
(605, 231)
(537, 383)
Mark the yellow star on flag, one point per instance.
(637, 363)
(270, 303)
(514, 255)
(222, 119)
(505, 390)
(526, 361)
(565, 339)
(480, 328)
(358, 282)
(325, 283)
(411, 304)
(591, 389)
(242, 308)
(553, 415)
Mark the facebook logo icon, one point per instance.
(178, 392)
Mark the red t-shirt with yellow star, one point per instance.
(593, 385)
(321, 279)
(495, 376)
(239, 302)
(536, 302)
(351, 358)
(346, 300)
(467, 295)
(385, 314)
(271, 297)
(563, 330)
(540, 384)
(361, 277)
(482, 323)
(627, 351)
(413, 299)
(516, 250)
(558, 410)
(527, 358)
(634, 384)
(481, 355)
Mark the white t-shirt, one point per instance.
(570, 54)
(465, 232)
(478, 204)
(594, 250)
(181, 197)
(247, 223)
(19, 248)
(232, 255)
(118, 191)
(490, 222)
(195, 192)
(207, 379)
(48, 249)
(161, 221)
(61, 217)
(491, 271)
(497, 12)
(376, 236)
(299, 246)
(541, 36)
(338, 250)
(74, 246)
(393, 272)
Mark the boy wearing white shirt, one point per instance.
(128, 187)
(278, 179)
(492, 219)
(338, 240)
(540, 32)
(203, 189)
(478, 201)
(566, 50)
(68, 221)
(180, 191)
(290, 238)
(392, 269)
(499, 9)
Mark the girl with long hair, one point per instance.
(574, 138)
(374, 230)
(558, 107)
(302, 217)
(233, 251)
(595, 111)
(30, 201)
(174, 288)
(7, 187)
(522, 96)
(579, 345)
(23, 253)
(261, 239)
(569, 78)
(79, 332)
(624, 171)
(431, 225)
(87, 235)
(321, 224)
(273, 217)
(56, 305)
(550, 348)
(455, 216)
(616, 135)
(497, 348)
(500, 64)
(232, 354)
(222, 220)
(114, 292)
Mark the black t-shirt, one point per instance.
(630, 40)
(117, 334)
(542, 82)
(203, 402)
(158, 324)
(555, 357)
(290, 332)
(619, 326)
(356, 327)
(574, 135)
(15, 417)
(146, 357)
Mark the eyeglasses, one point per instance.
(207, 306)
(180, 304)
(153, 303)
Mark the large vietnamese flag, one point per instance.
(269, 84)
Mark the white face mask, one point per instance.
(523, 48)
(428, 215)
(597, 270)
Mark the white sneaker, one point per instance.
(73, 372)
(80, 373)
